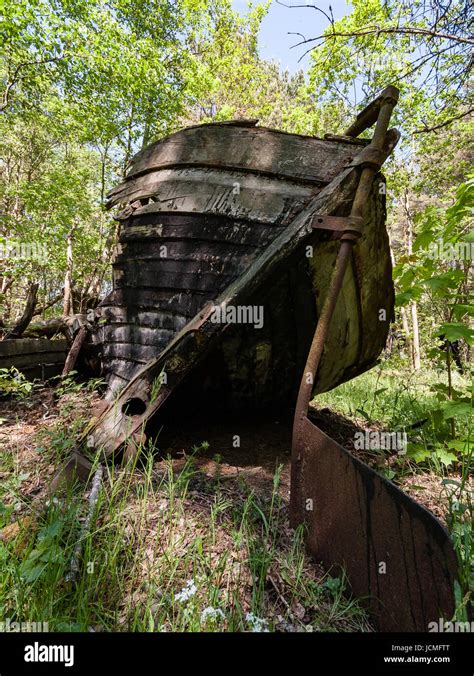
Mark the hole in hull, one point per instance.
(134, 406)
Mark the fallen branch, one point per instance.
(39, 310)
(75, 349)
(47, 329)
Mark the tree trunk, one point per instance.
(406, 330)
(67, 296)
(416, 337)
(416, 352)
(6, 284)
(75, 349)
(47, 329)
(28, 312)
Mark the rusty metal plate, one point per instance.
(397, 555)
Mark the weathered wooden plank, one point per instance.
(197, 229)
(158, 319)
(131, 351)
(214, 264)
(21, 360)
(140, 335)
(258, 149)
(116, 382)
(345, 327)
(207, 191)
(154, 277)
(119, 365)
(33, 346)
(119, 371)
(374, 279)
(175, 250)
(171, 300)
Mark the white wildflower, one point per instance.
(258, 624)
(211, 614)
(185, 594)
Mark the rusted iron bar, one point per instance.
(370, 115)
(385, 105)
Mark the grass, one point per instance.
(173, 546)
(168, 548)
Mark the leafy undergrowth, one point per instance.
(197, 538)
(173, 544)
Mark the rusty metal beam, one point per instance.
(397, 556)
(395, 553)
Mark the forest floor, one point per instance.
(193, 537)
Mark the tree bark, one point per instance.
(47, 329)
(406, 330)
(416, 352)
(28, 312)
(67, 297)
(75, 349)
(416, 337)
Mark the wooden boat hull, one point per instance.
(200, 207)
(292, 274)
(35, 358)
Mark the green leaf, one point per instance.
(52, 530)
(453, 332)
(444, 456)
(32, 574)
(417, 452)
(455, 409)
(423, 240)
(462, 446)
(52, 555)
(459, 310)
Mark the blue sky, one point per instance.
(275, 43)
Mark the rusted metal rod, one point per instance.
(367, 117)
(385, 105)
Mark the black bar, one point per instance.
(123, 653)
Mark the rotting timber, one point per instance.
(232, 215)
(205, 211)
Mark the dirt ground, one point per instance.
(249, 447)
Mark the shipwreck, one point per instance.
(233, 215)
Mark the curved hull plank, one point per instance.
(200, 336)
(200, 207)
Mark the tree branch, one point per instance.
(389, 30)
(16, 77)
(425, 129)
